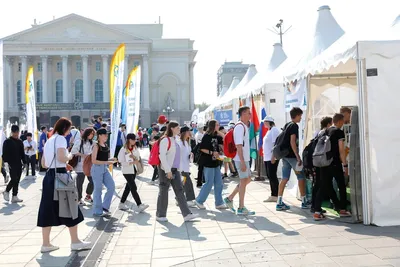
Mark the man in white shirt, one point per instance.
(200, 133)
(242, 160)
(30, 147)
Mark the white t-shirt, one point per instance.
(269, 142)
(48, 151)
(75, 135)
(199, 137)
(32, 151)
(185, 151)
(241, 136)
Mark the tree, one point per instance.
(201, 106)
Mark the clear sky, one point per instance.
(229, 30)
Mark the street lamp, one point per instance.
(168, 110)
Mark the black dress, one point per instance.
(48, 209)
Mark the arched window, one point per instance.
(39, 91)
(59, 91)
(79, 90)
(98, 90)
(19, 92)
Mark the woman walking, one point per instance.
(101, 175)
(271, 164)
(169, 175)
(83, 148)
(129, 157)
(186, 154)
(61, 212)
(211, 151)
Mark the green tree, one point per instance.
(201, 106)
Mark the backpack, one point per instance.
(154, 158)
(281, 149)
(322, 153)
(308, 154)
(87, 165)
(197, 153)
(229, 142)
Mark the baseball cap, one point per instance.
(268, 118)
(185, 129)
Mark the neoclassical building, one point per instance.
(71, 56)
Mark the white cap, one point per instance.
(268, 118)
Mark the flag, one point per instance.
(133, 100)
(240, 102)
(116, 88)
(123, 106)
(254, 128)
(195, 115)
(262, 132)
(31, 121)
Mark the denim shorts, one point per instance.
(247, 173)
(288, 165)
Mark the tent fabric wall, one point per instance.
(379, 97)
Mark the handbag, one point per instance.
(139, 167)
(63, 181)
(75, 159)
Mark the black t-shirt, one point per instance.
(335, 134)
(210, 142)
(291, 129)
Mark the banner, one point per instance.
(132, 97)
(116, 87)
(195, 115)
(31, 121)
(223, 116)
(1, 97)
(296, 95)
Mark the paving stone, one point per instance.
(386, 253)
(171, 252)
(287, 239)
(309, 259)
(215, 263)
(256, 246)
(330, 241)
(344, 250)
(130, 259)
(258, 256)
(296, 248)
(358, 260)
(318, 231)
(378, 242)
(170, 261)
(267, 264)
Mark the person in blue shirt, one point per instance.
(42, 142)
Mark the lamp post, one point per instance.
(168, 105)
(168, 110)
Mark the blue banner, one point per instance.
(223, 116)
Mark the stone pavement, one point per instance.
(217, 238)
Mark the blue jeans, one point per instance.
(212, 177)
(100, 176)
(288, 165)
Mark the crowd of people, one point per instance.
(67, 154)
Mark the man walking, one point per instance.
(30, 148)
(14, 155)
(242, 160)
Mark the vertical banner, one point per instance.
(195, 115)
(31, 121)
(1, 100)
(133, 100)
(116, 88)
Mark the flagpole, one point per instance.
(258, 159)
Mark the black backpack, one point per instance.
(197, 153)
(308, 154)
(281, 149)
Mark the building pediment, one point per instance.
(72, 29)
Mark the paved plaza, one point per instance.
(217, 238)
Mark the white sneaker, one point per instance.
(162, 219)
(271, 199)
(190, 217)
(142, 207)
(81, 203)
(50, 248)
(15, 199)
(6, 196)
(81, 246)
(221, 207)
(7, 179)
(200, 206)
(123, 206)
(191, 204)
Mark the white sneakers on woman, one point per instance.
(81, 246)
(46, 249)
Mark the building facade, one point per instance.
(71, 58)
(226, 73)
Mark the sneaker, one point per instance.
(305, 206)
(344, 213)
(319, 216)
(7, 179)
(162, 219)
(312, 210)
(191, 204)
(282, 207)
(235, 174)
(221, 207)
(229, 203)
(81, 246)
(15, 199)
(6, 196)
(82, 203)
(190, 217)
(123, 206)
(200, 206)
(88, 198)
(142, 207)
(244, 211)
(50, 248)
(271, 199)
(106, 212)
(224, 176)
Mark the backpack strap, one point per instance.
(169, 142)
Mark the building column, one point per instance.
(11, 85)
(191, 86)
(145, 90)
(86, 82)
(65, 78)
(106, 74)
(50, 85)
(24, 71)
(44, 80)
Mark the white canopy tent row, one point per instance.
(364, 74)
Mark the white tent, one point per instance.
(224, 89)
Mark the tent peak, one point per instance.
(324, 7)
(277, 58)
